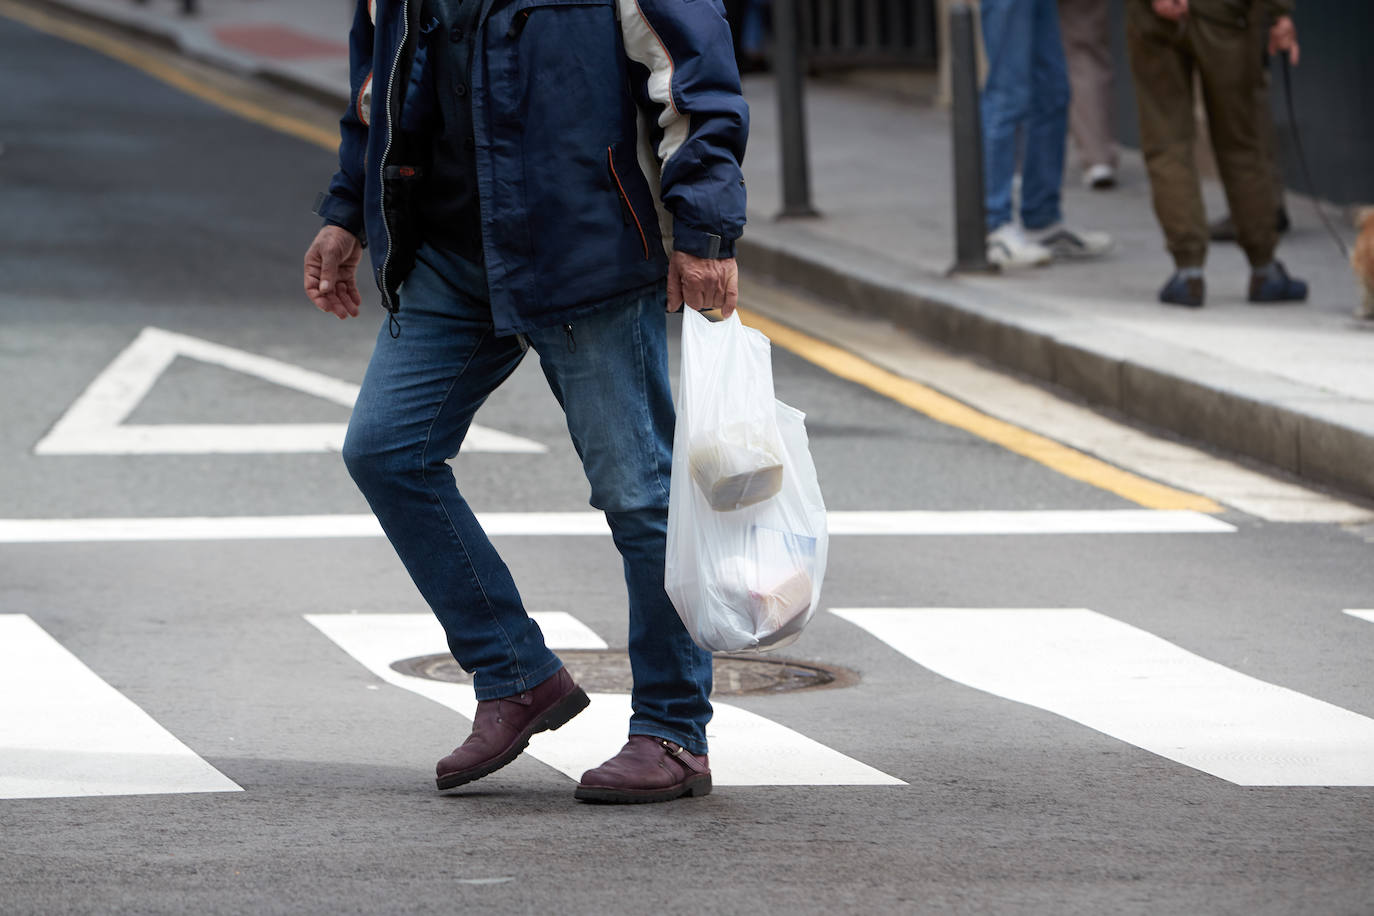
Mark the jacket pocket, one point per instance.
(523, 12)
(627, 209)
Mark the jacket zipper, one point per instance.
(625, 201)
(391, 306)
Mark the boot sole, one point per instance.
(558, 715)
(693, 786)
(1282, 300)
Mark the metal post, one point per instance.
(787, 70)
(970, 220)
(188, 7)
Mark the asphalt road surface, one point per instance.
(1152, 713)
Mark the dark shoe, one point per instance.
(502, 728)
(1185, 291)
(1272, 284)
(646, 770)
(1224, 229)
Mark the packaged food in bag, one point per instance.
(769, 588)
(748, 577)
(737, 465)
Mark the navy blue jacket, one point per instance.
(569, 217)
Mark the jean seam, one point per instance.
(453, 529)
(651, 458)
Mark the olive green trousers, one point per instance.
(1225, 57)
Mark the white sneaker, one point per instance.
(1064, 242)
(1099, 177)
(1009, 247)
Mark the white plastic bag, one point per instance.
(747, 536)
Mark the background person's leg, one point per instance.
(1231, 78)
(1223, 229)
(1047, 125)
(417, 402)
(1162, 68)
(1084, 25)
(1006, 98)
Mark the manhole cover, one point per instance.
(603, 671)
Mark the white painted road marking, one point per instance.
(1139, 688)
(65, 732)
(746, 749)
(1048, 521)
(900, 524)
(94, 424)
(1362, 614)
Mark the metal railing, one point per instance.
(868, 33)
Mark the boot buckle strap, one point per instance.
(684, 756)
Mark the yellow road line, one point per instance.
(155, 67)
(836, 361)
(944, 409)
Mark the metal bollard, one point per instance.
(787, 70)
(970, 215)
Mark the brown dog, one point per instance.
(1362, 260)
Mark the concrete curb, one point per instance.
(1313, 434)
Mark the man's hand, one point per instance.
(703, 283)
(1173, 10)
(1283, 36)
(331, 268)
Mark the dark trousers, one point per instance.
(1165, 57)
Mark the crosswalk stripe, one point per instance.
(746, 749)
(564, 524)
(65, 732)
(1137, 687)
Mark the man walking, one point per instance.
(489, 161)
(1169, 41)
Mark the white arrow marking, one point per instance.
(94, 424)
(746, 749)
(65, 732)
(1362, 614)
(1134, 686)
(569, 524)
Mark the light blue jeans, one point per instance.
(1025, 109)
(609, 371)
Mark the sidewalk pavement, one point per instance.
(1290, 386)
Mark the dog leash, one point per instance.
(1302, 157)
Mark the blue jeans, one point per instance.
(1025, 108)
(610, 374)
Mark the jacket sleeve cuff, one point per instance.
(342, 213)
(701, 244)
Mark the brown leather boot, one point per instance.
(647, 769)
(502, 728)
